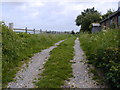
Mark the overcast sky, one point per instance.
(57, 15)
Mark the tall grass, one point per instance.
(103, 51)
(19, 47)
(58, 67)
(0, 57)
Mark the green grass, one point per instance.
(18, 48)
(0, 57)
(58, 67)
(103, 51)
(99, 79)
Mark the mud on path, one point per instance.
(82, 78)
(27, 75)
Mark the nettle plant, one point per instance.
(102, 50)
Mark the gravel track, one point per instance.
(82, 78)
(29, 73)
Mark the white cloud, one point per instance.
(35, 14)
(31, 5)
(79, 5)
(23, 7)
(59, 1)
(31, 8)
(53, 14)
(36, 4)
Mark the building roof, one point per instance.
(95, 24)
(118, 11)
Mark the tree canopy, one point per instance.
(88, 16)
(109, 12)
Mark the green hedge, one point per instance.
(103, 51)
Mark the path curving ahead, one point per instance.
(26, 76)
(82, 78)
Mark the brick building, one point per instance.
(112, 21)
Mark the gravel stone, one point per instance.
(82, 78)
(25, 77)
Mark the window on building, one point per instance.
(118, 20)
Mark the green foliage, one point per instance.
(17, 48)
(112, 26)
(103, 51)
(87, 17)
(73, 32)
(109, 12)
(58, 67)
(0, 56)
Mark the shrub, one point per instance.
(103, 51)
(17, 48)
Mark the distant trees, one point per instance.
(87, 17)
(73, 32)
(2, 23)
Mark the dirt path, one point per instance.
(25, 77)
(82, 77)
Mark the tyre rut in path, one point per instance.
(25, 77)
(82, 77)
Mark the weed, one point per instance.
(18, 48)
(58, 67)
(103, 51)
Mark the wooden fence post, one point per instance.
(25, 29)
(34, 31)
(40, 31)
(11, 26)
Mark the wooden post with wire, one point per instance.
(34, 31)
(25, 29)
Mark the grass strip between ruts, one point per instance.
(58, 67)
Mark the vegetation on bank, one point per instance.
(86, 18)
(89, 16)
(103, 51)
(58, 67)
(18, 48)
(0, 57)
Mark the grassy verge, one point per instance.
(19, 47)
(58, 67)
(0, 57)
(103, 51)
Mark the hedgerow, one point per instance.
(18, 48)
(103, 51)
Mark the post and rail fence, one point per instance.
(34, 31)
(26, 30)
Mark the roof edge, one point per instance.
(110, 16)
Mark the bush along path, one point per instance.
(29, 72)
(103, 52)
(82, 77)
(18, 48)
(58, 67)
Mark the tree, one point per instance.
(109, 12)
(73, 32)
(87, 17)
